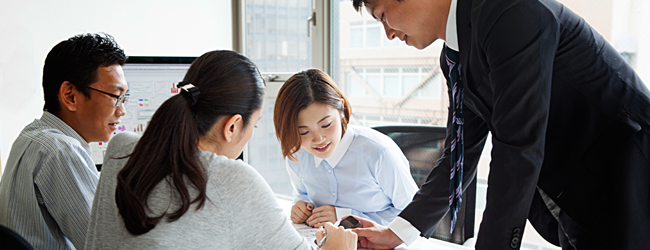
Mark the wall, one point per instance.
(625, 25)
(29, 29)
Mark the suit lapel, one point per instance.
(472, 100)
(463, 27)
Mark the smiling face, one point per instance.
(97, 116)
(320, 129)
(416, 22)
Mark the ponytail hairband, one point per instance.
(190, 91)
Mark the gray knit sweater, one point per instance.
(241, 213)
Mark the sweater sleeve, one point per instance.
(258, 220)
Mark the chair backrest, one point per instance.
(423, 145)
(12, 240)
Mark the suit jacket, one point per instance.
(567, 115)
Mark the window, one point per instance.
(279, 40)
(276, 34)
(398, 83)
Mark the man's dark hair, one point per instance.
(76, 60)
(358, 4)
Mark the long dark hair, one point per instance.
(168, 150)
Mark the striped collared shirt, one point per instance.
(48, 185)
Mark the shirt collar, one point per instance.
(451, 35)
(56, 122)
(340, 150)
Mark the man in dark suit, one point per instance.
(570, 124)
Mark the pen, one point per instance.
(322, 241)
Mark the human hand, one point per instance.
(301, 211)
(322, 214)
(337, 237)
(375, 236)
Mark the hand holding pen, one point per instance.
(334, 237)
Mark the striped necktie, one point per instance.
(457, 145)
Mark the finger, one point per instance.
(363, 242)
(354, 235)
(318, 221)
(323, 209)
(302, 207)
(351, 236)
(310, 206)
(314, 216)
(364, 222)
(323, 214)
(324, 219)
(363, 232)
(320, 224)
(296, 214)
(303, 216)
(327, 226)
(372, 245)
(319, 234)
(310, 219)
(314, 222)
(364, 238)
(300, 216)
(297, 219)
(317, 210)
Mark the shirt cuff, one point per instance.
(342, 212)
(404, 230)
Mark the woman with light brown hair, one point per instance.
(336, 169)
(180, 186)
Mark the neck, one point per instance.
(71, 120)
(445, 6)
(209, 145)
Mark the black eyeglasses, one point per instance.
(121, 99)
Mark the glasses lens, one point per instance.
(122, 100)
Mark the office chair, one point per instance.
(423, 145)
(12, 240)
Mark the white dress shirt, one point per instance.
(401, 227)
(367, 176)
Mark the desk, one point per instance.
(420, 244)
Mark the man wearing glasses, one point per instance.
(47, 189)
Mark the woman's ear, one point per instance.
(67, 96)
(232, 127)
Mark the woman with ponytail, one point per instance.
(179, 187)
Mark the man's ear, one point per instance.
(68, 96)
(232, 126)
